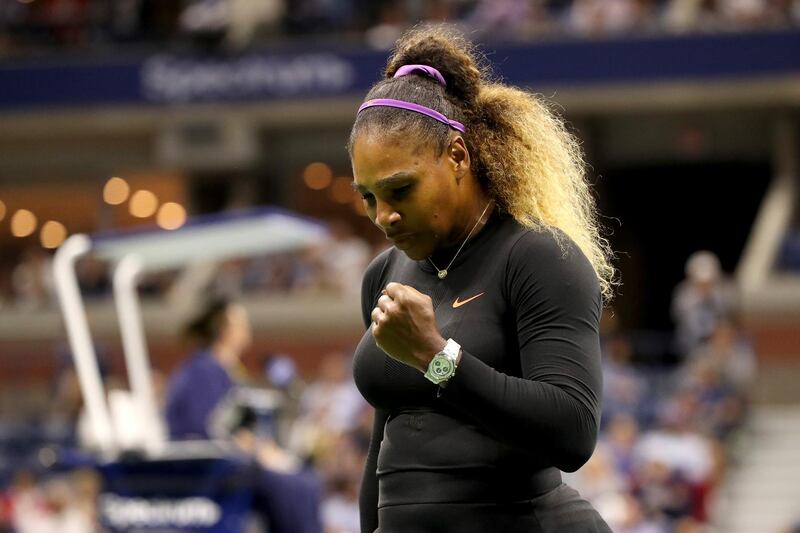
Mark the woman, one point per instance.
(202, 381)
(482, 352)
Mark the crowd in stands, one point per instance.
(669, 432)
(97, 24)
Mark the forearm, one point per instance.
(557, 422)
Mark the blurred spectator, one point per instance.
(335, 265)
(20, 499)
(205, 19)
(64, 21)
(675, 444)
(247, 18)
(675, 465)
(333, 400)
(65, 409)
(729, 355)
(604, 17)
(663, 490)
(238, 24)
(57, 505)
(332, 430)
(341, 466)
(510, 18)
(93, 277)
(330, 407)
(599, 478)
(340, 509)
(311, 17)
(686, 15)
(633, 518)
(620, 439)
(393, 21)
(228, 278)
(232, 22)
(344, 259)
(720, 409)
(701, 301)
(654, 474)
(623, 386)
(32, 280)
(205, 378)
(721, 372)
(745, 13)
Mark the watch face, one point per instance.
(441, 367)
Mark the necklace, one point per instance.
(442, 273)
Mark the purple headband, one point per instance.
(405, 70)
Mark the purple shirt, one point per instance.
(193, 391)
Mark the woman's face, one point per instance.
(237, 329)
(416, 197)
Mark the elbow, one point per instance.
(576, 455)
(579, 446)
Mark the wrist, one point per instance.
(426, 356)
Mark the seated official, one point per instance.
(197, 387)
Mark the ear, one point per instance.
(458, 156)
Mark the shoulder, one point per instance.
(378, 264)
(196, 365)
(550, 261)
(371, 283)
(182, 377)
(549, 249)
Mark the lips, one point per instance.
(400, 240)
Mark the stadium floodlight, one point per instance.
(247, 233)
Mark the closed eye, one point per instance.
(401, 193)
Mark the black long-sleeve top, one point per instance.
(525, 397)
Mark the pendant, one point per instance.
(442, 274)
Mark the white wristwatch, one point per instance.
(443, 365)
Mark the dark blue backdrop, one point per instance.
(165, 78)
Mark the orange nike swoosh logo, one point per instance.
(458, 304)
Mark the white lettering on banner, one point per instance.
(122, 512)
(170, 79)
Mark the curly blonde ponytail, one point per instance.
(522, 153)
(534, 168)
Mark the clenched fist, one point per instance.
(404, 326)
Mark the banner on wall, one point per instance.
(165, 78)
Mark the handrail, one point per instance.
(126, 299)
(80, 340)
(774, 216)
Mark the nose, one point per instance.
(385, 215)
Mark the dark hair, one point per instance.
(206, 326)
(438, 46)
(521, 151)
